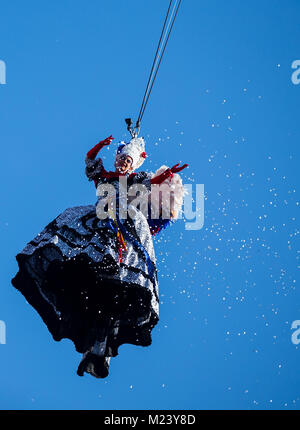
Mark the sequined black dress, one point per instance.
(72, 274)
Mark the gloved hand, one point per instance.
(168, 173)
(107, 141)
(94, 151)
(176, 169)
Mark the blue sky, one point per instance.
(224, 102)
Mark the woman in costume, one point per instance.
(93, 279)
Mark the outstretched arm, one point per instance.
(94, 167)
(92, 154)
(168, 173)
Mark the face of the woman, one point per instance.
(123, 164)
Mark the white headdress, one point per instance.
(135, 149)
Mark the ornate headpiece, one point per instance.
(135, 149)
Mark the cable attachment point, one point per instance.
(134, 131)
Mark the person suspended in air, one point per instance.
(93, 279)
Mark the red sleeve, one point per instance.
(92, 154)
(162, 177)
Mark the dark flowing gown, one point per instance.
(72, 274)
